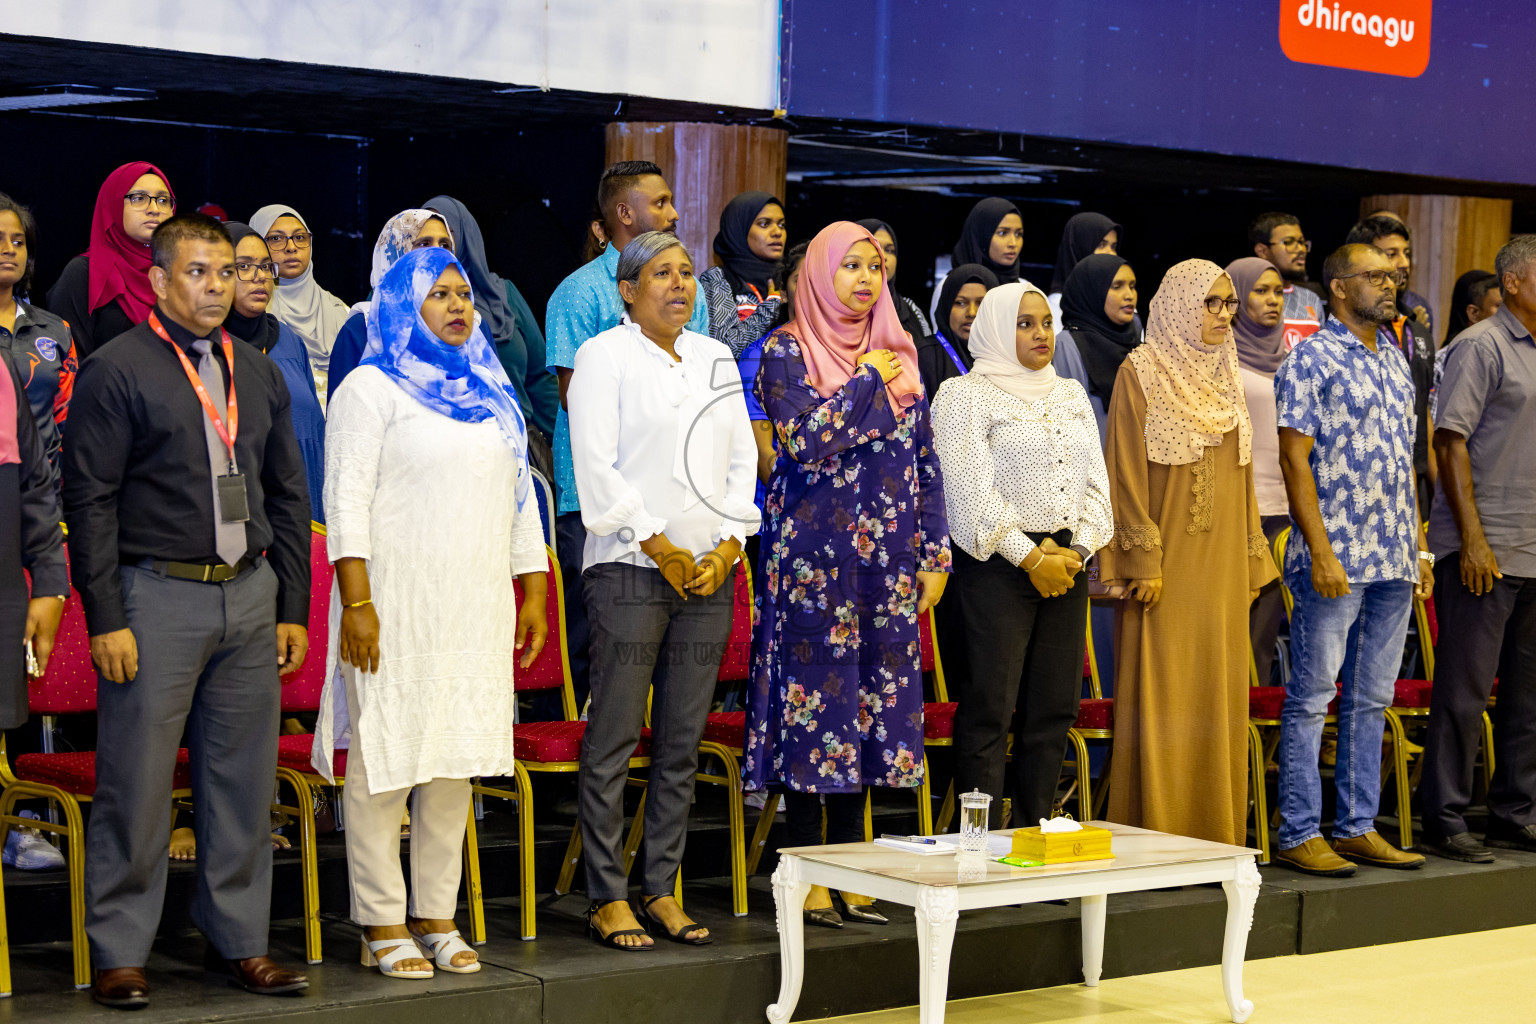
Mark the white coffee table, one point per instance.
(939, 887)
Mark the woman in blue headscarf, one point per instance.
(430, 519)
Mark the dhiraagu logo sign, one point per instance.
(1388, 37)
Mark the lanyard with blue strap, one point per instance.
(953, 355)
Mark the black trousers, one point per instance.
(802, 818)
(1481, 638)
(1026, 664)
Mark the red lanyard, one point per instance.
(227, 436)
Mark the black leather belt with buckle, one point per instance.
(219, 573)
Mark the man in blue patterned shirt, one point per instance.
(1344, 404)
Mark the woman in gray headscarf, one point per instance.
(314, 313)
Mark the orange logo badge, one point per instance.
(1388, 37)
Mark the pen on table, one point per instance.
(910, 839)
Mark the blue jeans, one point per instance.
(1361, 633)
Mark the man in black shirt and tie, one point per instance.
(188, 519)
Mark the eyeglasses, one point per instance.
(1292, 243)
(142, 200)
(300, 240)
(1377, 278)
(247, 271)
(1213, 305)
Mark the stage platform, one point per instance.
(565, 978)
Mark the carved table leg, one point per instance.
(938, 907)
(1241, 896)
(1093, 938)
(789, 897)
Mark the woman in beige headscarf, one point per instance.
(1188, 556)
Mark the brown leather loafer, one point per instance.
(122, 987)
(258, 974)
(1315, 858)
(1372, 849)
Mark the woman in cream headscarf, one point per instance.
(313, 313)
(1189, 556)
(1028, 502)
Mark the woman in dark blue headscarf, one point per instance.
(430, 519)
(507, 318)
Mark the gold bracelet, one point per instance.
(366, 600)
(1038, 561)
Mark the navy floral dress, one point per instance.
(855, 509)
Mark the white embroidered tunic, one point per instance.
(430, 503)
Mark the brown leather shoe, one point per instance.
(1372, 849)
(1315, 858)
(258, 974)
(126, 988)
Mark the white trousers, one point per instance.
(439, 815)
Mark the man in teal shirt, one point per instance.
(634, 198)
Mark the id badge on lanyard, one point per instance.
(234, 507)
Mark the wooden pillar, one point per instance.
(1451, 235)
(706, 165)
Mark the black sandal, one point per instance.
(680, 935)
(609, 939)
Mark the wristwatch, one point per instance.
(1428, 556)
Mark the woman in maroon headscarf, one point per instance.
(105, 290)
(855, 548)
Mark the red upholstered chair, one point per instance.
(302, 692)
(1095, 721)
(550, 747)
(1429, 640)
(67, 779)
(1410, 706)
(725, 739)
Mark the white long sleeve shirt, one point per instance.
(660, 445)
(1013, 467)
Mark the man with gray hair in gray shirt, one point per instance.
(1483, 532)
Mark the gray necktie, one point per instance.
(229, 538)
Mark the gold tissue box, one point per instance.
(1062, 847)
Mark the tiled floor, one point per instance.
(1483, 977)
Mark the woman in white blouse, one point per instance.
(430, 518)
(1028, 501)
(665, 467)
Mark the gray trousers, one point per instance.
(645, 636)
(207, 665)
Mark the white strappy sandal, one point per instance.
(442, 947)
(404, 949)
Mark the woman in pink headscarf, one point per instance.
(855, 548)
